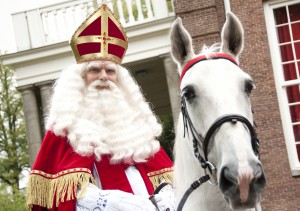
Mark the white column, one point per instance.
(129, 10)
(173, 86)
(32, 121)
(227, 5)
(20, 25)
(35, 26)
(149, 10)
(139, 8)
(160, 8)
(46, 89)
(121, 12)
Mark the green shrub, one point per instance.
(168, 135)
(12, 200)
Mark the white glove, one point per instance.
(165, 199)
(112, 200)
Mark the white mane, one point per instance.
(210, 49)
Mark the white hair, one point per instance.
(118, 122)
(210, 50)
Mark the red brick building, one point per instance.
(272, 57)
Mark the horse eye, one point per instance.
(189, 93)
(249, 85)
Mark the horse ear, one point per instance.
(232, 36)
(181, 43)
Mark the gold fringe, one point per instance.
(42, 190)
(157, 178)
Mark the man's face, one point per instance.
(100, 70)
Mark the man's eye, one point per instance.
(110, 71)
(94, 70)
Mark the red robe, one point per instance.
(58, 171)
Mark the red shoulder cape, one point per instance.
(58, 171)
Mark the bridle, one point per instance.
(204, 140)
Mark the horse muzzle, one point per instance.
(242, 186)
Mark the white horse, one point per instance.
(217, 115)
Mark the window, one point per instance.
(283, 27)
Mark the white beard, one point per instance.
(106, 124)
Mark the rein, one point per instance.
(198, 138)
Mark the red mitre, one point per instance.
(100, 36)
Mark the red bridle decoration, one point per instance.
(204, 57)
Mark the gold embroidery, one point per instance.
(163, 175)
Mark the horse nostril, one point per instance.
(228, 180)
(259, 178)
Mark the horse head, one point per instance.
(212, 86)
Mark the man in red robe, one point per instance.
(100, 151)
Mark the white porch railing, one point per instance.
(56, 23)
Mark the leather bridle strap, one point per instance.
(233, 118)
(193, 186)
(196, 136)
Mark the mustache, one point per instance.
(98, 83)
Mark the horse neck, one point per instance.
(187, 168)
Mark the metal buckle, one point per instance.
(212, 171)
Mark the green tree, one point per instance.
(168, 134)
(12, 202)
(13, 145)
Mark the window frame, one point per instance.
(280, 83)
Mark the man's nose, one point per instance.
(103, 75)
